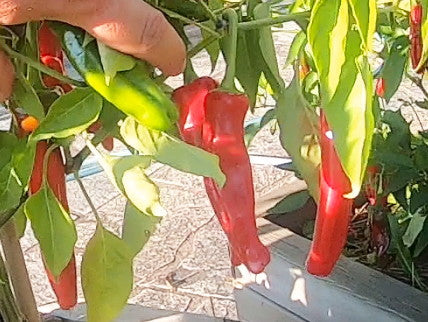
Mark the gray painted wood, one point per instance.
(353, 292)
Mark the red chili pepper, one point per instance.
(52, 56)
(108, 142)
(218, 128)
(416, 44)
(65, 286)
(334, 210)
(380, 87)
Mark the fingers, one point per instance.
(7, 76)
(130, 26)
(136, 28)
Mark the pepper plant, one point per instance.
(327, 117)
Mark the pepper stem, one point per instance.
(231, 42)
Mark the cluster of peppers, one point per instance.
(213, 119)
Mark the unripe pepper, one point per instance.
(213, 120)
(132, 91)
(334, 210)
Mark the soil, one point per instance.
(368, 239)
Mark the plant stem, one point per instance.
(18, 272)
(231, 48)
(207, 9)
(86, 195)
(200, 46)
(42, 68)
(184, 19)
(255, 24)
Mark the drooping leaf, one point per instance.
(53, 228)
(213, 49)
(20, 221)
(70, 114)
(107, 275)
(114, 61)
(422, 241)
(296, 46)
(26, 98)
(23, 160)
(267, 46)
(290, 203)
(346, 85)
(10, 188)
(137, 228)
(393, 68)
(7, 143)
(171, 151)
(255, 127)
(294, 117)
(414, 228)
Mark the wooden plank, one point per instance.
(353, 292)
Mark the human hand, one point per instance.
(130, 26)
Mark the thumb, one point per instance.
(7, 75)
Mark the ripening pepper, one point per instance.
(213, 120)
(380, 87)
(334, 210)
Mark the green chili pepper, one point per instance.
(133, 91)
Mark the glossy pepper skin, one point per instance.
(65, 286)
(334, 210)
(213, 120)
(133, 91)
(191, 102)
(222, 135)
(416, 44)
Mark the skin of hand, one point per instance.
(130, 26)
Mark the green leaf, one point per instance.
(53, 228)
(267, 46)
(346, 85)
(393, 68)
(70, 114)
(107, 275)
(23, 160)
(171, 151)
(295, 117)
(137, 228)
(10, 188)
(213, 49)
(26, 98)
(20, 221)
(114, 61)
(422, 241)
(7, 143)
(255, 127)
(298, 43)
(248, 71)
(290, 203)
(415, 227)
(365, 14)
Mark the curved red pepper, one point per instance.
(416, 44)
(223, 134)
(334, 210)
(64, 286)
(213, 120)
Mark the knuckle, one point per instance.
(152, 30)
(9, 12)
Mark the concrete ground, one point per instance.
(185, 266)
